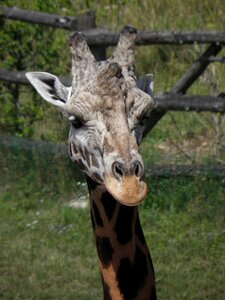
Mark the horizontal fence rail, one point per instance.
(20, 78)
(176, 102)
(15, 146)
(185, 170)
(81, 22)
(102, 37)
(163, 101)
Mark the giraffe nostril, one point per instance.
(118, 169)
(137, 169)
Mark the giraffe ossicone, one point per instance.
(106, 110)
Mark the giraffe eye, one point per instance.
(77, 123)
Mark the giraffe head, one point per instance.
(106, 110)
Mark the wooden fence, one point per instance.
(99, 39)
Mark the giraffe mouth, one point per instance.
(129, 191)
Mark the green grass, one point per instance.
(47, 252)
(47, 249)
(187, 253)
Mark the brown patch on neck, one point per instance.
(110, 278)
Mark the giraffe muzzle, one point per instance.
(129, 190)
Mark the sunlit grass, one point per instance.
(48, 252)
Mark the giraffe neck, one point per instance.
(125, 262)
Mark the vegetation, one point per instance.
(46, 247)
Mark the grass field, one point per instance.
(47, 248)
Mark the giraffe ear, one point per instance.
(49, 87)
(146, 84)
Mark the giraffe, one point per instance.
(106, 111)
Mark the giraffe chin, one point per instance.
(129, 191)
